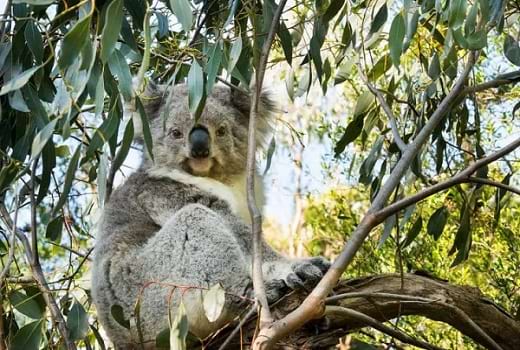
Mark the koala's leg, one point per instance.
(194, 249)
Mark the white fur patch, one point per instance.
(234, 193)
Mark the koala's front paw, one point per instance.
(307, 273)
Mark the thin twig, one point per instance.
(405, 338)
(502, 79)
(256, 216)
(34, 224)
(462, 177)
(386, 108)
(243, 320)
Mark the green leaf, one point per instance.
(40, 140)
(111, 29)
(213, 65)
(182, 10)
(25, 304)
(128, 137)
(145, 124)
(365, 100)
(196, 92)
(413, 232)
(333, 9)
(119, 67)
(396, 37)
(34, 41)
(48, 164)
(379, 19)
(463, 239)
(511, 50)
(18, 81)
(179, 328)
(69, 177)
(457, 13)
(437, 222)
(470, 25)
(477, 40)
(77, 322)
(105, 131)
(380, 68)
(270, 153)
(119, 316)
(285, 41)
(352, 132)
(434, 70)
(54, 229)
(73, 42)
(28, 337)
(388, 226)
(234, 54)
(213, 302)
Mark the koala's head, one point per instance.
(216, 144)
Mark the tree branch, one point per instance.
(462, 177)
(372, 322)
(502, 79)
(385, 297)
(256, 216)
(388, 111)
(313, 305)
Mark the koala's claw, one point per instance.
(307, 273)
(274, 290)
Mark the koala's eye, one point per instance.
(176, 133)
(221, 131)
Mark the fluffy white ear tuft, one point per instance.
(266, 109)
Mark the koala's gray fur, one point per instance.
(184, 221)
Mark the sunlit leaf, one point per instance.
(18, 81)
(213, 302)
(178, 328)
(196, 91)
(182, 10)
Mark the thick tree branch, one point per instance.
(343, 312)
(256, 216)
(383, 298)
(313, 305)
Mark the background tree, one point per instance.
(421, 130)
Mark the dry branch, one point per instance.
(382, 298)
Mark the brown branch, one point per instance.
(385, 297)
(39, 277)
(313, 305)
(372, 322)
(256, 216)
(502, 79)
(462, 177)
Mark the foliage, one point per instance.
(66, 69)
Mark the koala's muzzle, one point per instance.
(199, 142)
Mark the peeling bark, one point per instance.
(453, 305)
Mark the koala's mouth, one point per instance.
(200, 166)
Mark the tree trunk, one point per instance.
(463, 307)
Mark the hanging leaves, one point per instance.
(395, 38)
(111, 29)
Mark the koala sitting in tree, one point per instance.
(183, 220)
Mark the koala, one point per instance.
(182, 220)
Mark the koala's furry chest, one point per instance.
(233, 193)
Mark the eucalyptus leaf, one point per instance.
(182, 10)
(395, 38)
(213, 302)
(28, 337)
(77, 322)
(111, 29)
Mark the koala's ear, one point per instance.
(266, 109)
(152, 100)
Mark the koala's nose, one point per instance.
(199, 142)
